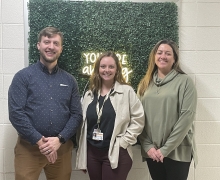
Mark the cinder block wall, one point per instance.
(200, 50)
(199, 54)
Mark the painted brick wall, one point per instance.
(11, 60)
(200, 53)
(200, 50)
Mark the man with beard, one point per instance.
(45, 109)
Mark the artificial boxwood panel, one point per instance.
(88, 26)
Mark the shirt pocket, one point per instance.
(64, 93)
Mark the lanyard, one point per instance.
(99, 111)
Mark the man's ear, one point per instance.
(38, 45)
(61, 48)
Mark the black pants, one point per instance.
(99, 167)
(168, 170)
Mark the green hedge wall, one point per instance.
(88, 26)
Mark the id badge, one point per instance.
(97, 135)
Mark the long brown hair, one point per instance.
(95, 79)
(152, 67)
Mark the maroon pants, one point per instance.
(99, 167)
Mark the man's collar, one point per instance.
(45, 69)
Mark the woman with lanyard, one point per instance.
(113, 117)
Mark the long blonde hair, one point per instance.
(95, 79)
(152, 67)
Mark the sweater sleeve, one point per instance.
(136, 121)
(188, 102)
(145, 141)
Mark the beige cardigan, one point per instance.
(129, 123)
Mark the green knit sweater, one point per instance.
(170, 106)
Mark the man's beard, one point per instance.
(49, 60)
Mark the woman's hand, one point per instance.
(160, 155)
(153, 154)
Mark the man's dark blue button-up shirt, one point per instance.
(44, 104)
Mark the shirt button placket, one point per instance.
(51, 111)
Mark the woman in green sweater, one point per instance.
(169, 99)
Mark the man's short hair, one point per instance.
(50, 32)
